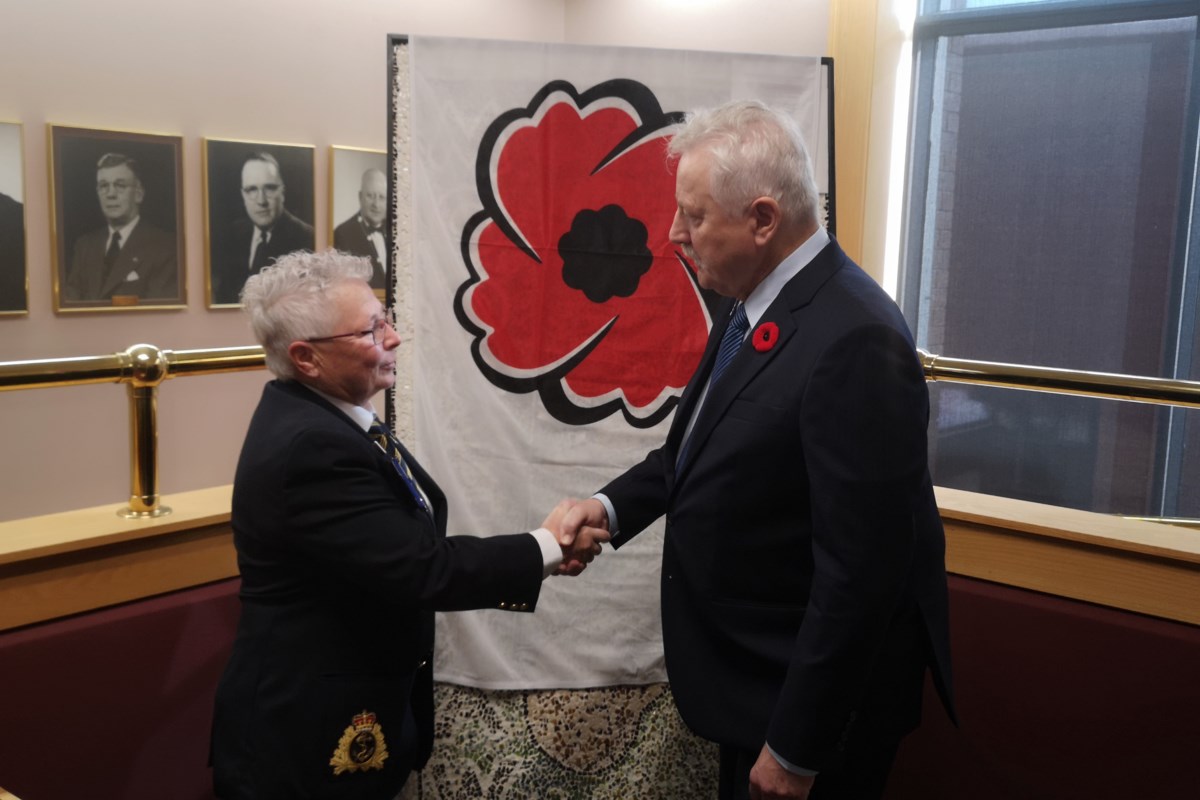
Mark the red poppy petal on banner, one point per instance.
(650, 353)
(567, 149)
(534, 319)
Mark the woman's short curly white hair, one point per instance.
(289, 301)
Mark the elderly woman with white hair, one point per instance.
(342, 546)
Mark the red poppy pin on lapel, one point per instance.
(765, 336)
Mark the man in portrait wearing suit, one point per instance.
(267, 232)
(803, 579)
(12, 255)
(362, 234)
(343, 555)
(128, 257)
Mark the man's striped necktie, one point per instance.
(383, 437)
(731, 342)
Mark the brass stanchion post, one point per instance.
(148, 368)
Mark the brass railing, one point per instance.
(143, 367)
(1062, 381)
(1111, 385)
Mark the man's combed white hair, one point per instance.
(756, 152)
(289, 301)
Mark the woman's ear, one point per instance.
(305, 359)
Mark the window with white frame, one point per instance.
(1050, 220)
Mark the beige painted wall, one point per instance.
(779, 27)
(303, 72)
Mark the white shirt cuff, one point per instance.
(789, 766)
(551, 551)
(613, 527)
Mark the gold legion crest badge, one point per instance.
(361, 747)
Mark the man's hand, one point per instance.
(770, 781)
(581, 529)
(583, 542)
(554, 519)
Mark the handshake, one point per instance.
(580, 527)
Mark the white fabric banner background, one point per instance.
(502, 459)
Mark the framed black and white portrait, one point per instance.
(14, 293)
(259, 205)
(117, 221)
(358, 205)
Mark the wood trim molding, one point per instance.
(77, 561)
(86, 528)
(1145, 567)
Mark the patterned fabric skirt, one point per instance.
(615, 743)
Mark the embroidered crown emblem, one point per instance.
(362, 746)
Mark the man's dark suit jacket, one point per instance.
(232, 267)
(341, 573)
(803, 565)
(12, 255)
(351, 237)
(147, 266)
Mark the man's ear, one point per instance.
(305, 358)
(765, 218)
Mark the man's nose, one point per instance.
(678, 233)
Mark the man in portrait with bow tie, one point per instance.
(362, 234)
(804, 591)
(129, 260)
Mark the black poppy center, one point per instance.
(604, 254)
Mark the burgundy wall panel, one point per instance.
(1058, 699)
(116, 703)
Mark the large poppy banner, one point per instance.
(554, 325)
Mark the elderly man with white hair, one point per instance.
(804, 588)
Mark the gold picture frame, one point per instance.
(116, 219)
(259, 203)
